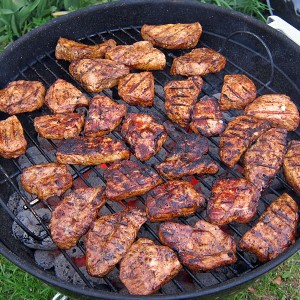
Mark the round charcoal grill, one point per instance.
(266, 56)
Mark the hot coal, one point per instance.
(63, 269)
(45, 259)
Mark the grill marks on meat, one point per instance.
(201, 247)
(104, 116)
(275, 230)
(146, 267)
(73, 217)
(110, 238)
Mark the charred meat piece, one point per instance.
(89, 151)
(74, 215)
(146, 267)
(46, 180)
(172, 199)
(201, 247)
(239, 134)
(97, 74)
(264, 159)
(64, 97)
(237, 92)
(277, 108)
(22, 96)
(70, 50)
(110, 238)
(104, 116)
(140, 55)
(232, 200)
(129, 179)
(200, 61)
(172, 36)
(275, 230)
(144, 134)
(180, 99)
(137, 89)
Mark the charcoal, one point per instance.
(94, 280)
(63, 269)
(45, 259)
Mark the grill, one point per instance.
(246, 52)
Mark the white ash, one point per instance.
(45, 259)
(15, 203)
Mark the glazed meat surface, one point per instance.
(89, 151)
(275, 230)
(110, 238)
(239, 134)
(129, 179)
(144, 134)
(202, 247)
(172, 36)
(200, 61)
(146, 267)
(22, 96)
(172, 199)
(74, 215)
(46, 180)
(104, 116)
(180, 99)
(64, 97)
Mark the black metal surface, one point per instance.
(238, 37)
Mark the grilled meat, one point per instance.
(74, 215)
(278, 109)
(200, 61)
(264, 159)
(146, 267)
(46, 180)
(129, 179)
(140, 55)
(232, 200)
(144, 135)
(89, 151)
(97, 74)
(110, 238)
(137, 89)
(239, 134)
(275, 230)
(104, 116)
(201, 247)
(22, 96)
(172, 36)
(180, 99)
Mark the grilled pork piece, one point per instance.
(146, 267)
(22, 96)
(232, 200)
(172, 36)
(59, 126)
(64, 97)
(181, 97)
(278, 109)
(239, 134)
(137, 89)
(97, 74)
(171, 200)
(275, 230)
(201, 247)
(264, 159)
(89, 151)
(144, 135)
(140, 55)
(238, 91)
(110, 238)
(207, 118)
(200, 61)
(291, 165)
(46, 180)
(104, 116)
(70, 50)
(74, 215)
(129, 179)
